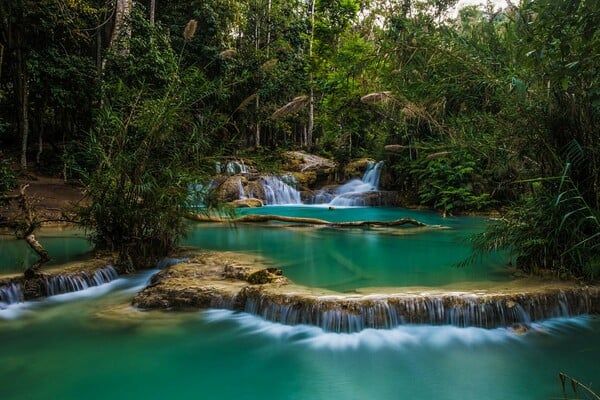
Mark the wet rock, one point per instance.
(229, 189)
(520, 329)
(299, 161)
(243, 282)
(305, 180)
(70, 278)
(263, 276)
(356, 168)
(247, 203)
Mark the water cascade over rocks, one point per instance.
(13, 290)
(353, 192)
(232, 168)
(10, 294)
(231, 282)
(278, 192)
(347, 314)
(67, 283)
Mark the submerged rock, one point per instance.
(245, 283)
(247, 203)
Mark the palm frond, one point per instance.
(292, 107)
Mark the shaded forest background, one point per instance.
(483, 108)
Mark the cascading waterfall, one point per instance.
(232, 168)
(59, 284)
(354, 315)
(278, 192)
(242, 192)
(10, 294)
(352, 192)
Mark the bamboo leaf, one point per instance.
(567, 215)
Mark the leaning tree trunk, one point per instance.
(25, 229)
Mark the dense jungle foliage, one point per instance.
(482, 108)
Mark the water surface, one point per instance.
(346, 259)
(92, 345)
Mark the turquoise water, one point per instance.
(63, 245)
(342, 259)
(90, 345)
(75, 348)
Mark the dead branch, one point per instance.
(25, 228)
(256, 218)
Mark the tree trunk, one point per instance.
(25, 228)
(152, 11)
(1, 58)
(121, 30)
(311, 105)
(257, 127)
(311, 116)
(257, 101)
(22, 89)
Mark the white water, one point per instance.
(401, 337)
(351, 193)
(10, 294)
(278, 192)
(59, 284)
(232, 168)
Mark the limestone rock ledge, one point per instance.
(246, 283)
(66, 279)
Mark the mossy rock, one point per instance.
(356, 168)
(306, 180)
(247, 203)
(267, 275)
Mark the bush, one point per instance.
(8, 178)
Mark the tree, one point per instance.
(146, 148)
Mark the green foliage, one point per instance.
(145, 151)
(450, 183)
(8, 178)
(554, 229)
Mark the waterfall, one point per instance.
(355, 314)
(236, 167)
(67, 283)
(242, 193)
(11, 293)
(352, 192)
(277, 192)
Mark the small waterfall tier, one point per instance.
(279, 190)
(231, 168)
(17, 290)
(225, 280)
(353, 193)
(10, 293)
(348, 314)
(67, 283)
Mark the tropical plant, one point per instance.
(146, 150)
(8, 178)
(554, 230)
(450, 182)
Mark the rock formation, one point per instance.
(245, 283)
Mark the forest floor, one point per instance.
(52, 199)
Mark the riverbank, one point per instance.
(53, 201)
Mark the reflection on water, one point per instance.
(99, 348)
(93, 345)
(343, 260)
(63, 245)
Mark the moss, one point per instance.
(260, 277)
